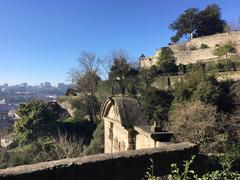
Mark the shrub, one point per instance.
(196, 122)
(206, 92)
(224, 50)
(188, 173)
(167, 61)
(97, 143)
(156, 104)
(68, 146)
(35, 119)
(182, 68)
(203, 46)
(192, 48)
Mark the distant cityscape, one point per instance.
(13, 95)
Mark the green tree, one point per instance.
(167, 61)
(207, 92)
(97, 143)
(35, 118)
(185, 25)
(224, 50)
(120, 69)
(209, 21)
(156, 104)
(195, 23)
(188, 85)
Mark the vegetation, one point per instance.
(156, 104)
(187, 173)
(167, 61)
(35, 119)
(97, 144)
(204, 46)
(195, 23)
(196, 122)
(224, 50)
(197, 108)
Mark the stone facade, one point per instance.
(118, 166)
(185, 55)
(126, 128)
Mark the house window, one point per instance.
(111, 131)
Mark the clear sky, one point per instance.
(40, 40)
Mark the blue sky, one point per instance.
(40, 40)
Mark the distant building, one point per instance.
(5, 85)
(5, 120)
(61, 86)
(46, 85)
(24, 85)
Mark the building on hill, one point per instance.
(126, 128)
(196, 50)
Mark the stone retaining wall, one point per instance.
(184, 54)
(125, 165)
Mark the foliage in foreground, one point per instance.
(188, 174)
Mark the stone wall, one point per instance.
(194, 56)
(231, 75)
(120, 166)
(185, 55)
(117, 140)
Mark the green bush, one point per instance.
(35, 119)
(97, 143)
(156, 104)
(203, 46)
(189, 174)
(167, 61)
(224, 50)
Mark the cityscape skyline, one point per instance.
(37, 84)
(41, 40)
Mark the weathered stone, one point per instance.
(185, 55)
(122, 165)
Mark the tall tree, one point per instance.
(209, 21)
(195, 23)
(185, 25)
(120, 69)
(167, 61)
(34, 120)
(86, 79)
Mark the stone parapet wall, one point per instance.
(124, 165)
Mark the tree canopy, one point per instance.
(224, 50)
(195, 23)
(167, 61)
(34, 120)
